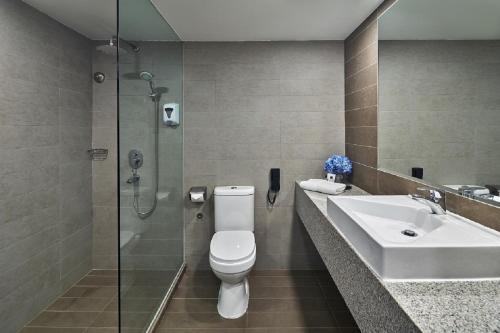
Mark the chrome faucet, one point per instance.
(432, 200)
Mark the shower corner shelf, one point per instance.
(98, 154)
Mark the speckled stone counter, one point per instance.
(403, 306)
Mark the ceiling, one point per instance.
(95, 19)
(254, 20)
(443, 19)
(211, 20)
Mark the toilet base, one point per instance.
(233, 299)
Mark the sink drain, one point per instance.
(409, 233)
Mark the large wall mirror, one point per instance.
(439, 93)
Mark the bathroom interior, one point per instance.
(249, 166)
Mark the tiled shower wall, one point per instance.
(45, 131)
(160, 244)
(104, 184)
(449, 89)
(361, 108)
(250, 107)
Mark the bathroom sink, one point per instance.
(400, 239)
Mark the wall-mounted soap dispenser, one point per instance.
(171, 114)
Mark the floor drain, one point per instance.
(409, 233)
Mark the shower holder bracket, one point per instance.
(98, 154)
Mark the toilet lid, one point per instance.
(232, 245)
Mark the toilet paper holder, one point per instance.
(198, 194)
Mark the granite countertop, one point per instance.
(437, 305)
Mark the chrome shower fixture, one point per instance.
(155, 92)
(115, 45)
(99, 77)
(148, 77)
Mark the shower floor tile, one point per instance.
(87, 307)
(280, 301)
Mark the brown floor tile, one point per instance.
(282, 281)
(287, 305)
(281, 301)
(204, 330)
(202, 279)
(64, 319)
(200, 320)
(52, 330)
(291, 319)
(303, 330)
(91, 280)
(130, 320)
(104, 272)
(152, 277)
(144, 292)
(112, 305)
(192, 305)
(79, 304)
(102, 330)
(211, 291)
(89, 291)
(284, 272)
(106, 319)
(135, 305)
(286, 292)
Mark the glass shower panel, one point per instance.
(150, 163)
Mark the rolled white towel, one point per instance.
(322, 186)
(481, 191)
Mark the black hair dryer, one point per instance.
(274, 185)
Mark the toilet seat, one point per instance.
(232, 251)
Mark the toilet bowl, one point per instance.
(232, 248)
(232, 256)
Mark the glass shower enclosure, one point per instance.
(150, 142)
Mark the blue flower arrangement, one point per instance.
(338, 164)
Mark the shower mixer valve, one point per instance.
(134, 179)
(135, 160)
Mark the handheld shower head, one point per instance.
(146, 76)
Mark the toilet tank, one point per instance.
(234, 208)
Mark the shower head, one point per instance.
(111, 47)
(146, 76)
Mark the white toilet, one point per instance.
(232, 249)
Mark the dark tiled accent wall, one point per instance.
(45, 131)
(250, 107)
(361, 108)
(361, 75)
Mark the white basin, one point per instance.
(445, 246)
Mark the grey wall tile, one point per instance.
(45, 120)
(276, 104)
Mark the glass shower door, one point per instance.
(150, 163)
